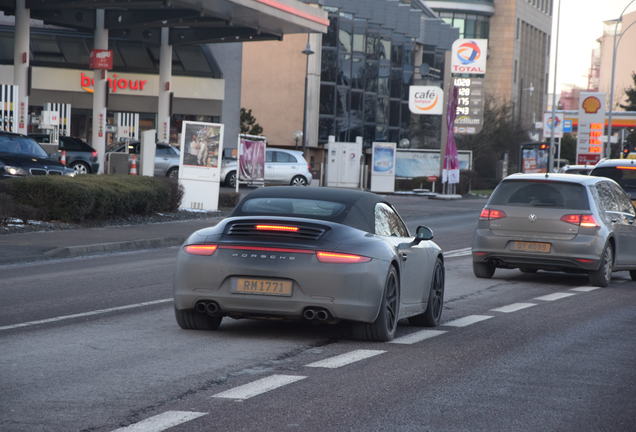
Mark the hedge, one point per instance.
(90, 197)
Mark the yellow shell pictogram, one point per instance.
(591, 105)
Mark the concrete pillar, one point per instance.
(99, 94)
(313, 90)
(21, 62)
(165, 87)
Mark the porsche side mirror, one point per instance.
(423, 233)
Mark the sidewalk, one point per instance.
(41, 245)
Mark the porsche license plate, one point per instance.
(530, 246)
(275, 287)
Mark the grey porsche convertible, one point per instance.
(316, 254)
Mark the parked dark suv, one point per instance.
(622, 171)
(79, 155)
(22, 156)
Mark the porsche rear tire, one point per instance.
(433, 314)
(188, 319)
(384, 326)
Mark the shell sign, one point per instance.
(426, 100)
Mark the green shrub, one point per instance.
(75, 199)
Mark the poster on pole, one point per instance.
(199, 168)
(383, 156)
(552, 126)
(251, 159)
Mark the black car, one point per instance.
(622, 171)
(79, 155)
(22, 156)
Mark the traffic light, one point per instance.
(544, 146)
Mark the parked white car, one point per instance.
(282, 166)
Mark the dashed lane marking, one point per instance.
(513, 307)
(258, 387)
(162, 421)
(345, 359)
(467, 320)
(417, 337)
(585, 289)
(555, 296)
(84, 314)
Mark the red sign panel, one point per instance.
(101, 59)
(588, 159)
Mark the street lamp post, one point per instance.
(307, 51)
(554, 86)
(612, 77)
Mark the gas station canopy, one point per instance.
(190, 21)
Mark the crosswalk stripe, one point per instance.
(513, 307)
(467, 320)
(417, 336)
(162, 421)
(345, 359)
(258, 387)
(555, 296)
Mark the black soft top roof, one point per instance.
(360, 206)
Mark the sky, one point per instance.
(580, 25)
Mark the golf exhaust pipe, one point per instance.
(200, 307)
(309, 314)
(212, 308)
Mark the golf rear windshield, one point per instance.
(315, 209)
(541, 194)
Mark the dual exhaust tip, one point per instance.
(319, 314)
(211, 308)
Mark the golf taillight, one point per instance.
(490, 214)
(279, 228)
(340, 258)
(201, 249)
(94, 154)
(582, 220)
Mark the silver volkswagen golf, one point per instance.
(558, 222)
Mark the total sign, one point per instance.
(469, 56)
(426, 100)
(553, 126)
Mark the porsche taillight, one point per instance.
(340, 258)
(201, 249)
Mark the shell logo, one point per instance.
(591, 105)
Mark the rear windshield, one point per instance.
(541, 194)
(74, 144)
(314, 209)
(626, 177)
(21, 145)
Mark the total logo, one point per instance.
(469, 56)
(553, 122)
(115, 83)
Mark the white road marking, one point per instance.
(555, 296)
(513, 307)
(258, 387)
(417, 336)
(162, 421)
(457, 252)
(467, 320)
(84, 314)
(345, 359)
(585, 289)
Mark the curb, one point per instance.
(75, 251)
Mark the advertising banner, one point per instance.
(251, 159)
(425, 163)
(383, 156)
(589, 146)
(553, 126)
(469, 56)
(428, 100)
(199, 168)
(101, 59)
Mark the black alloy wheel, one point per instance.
(384, 326)
(433, 314)
(230, 179)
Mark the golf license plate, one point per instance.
(530, 246)
(275, 287)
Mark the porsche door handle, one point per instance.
(404, 256)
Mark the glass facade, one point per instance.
(471, 26)
(365, 78)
